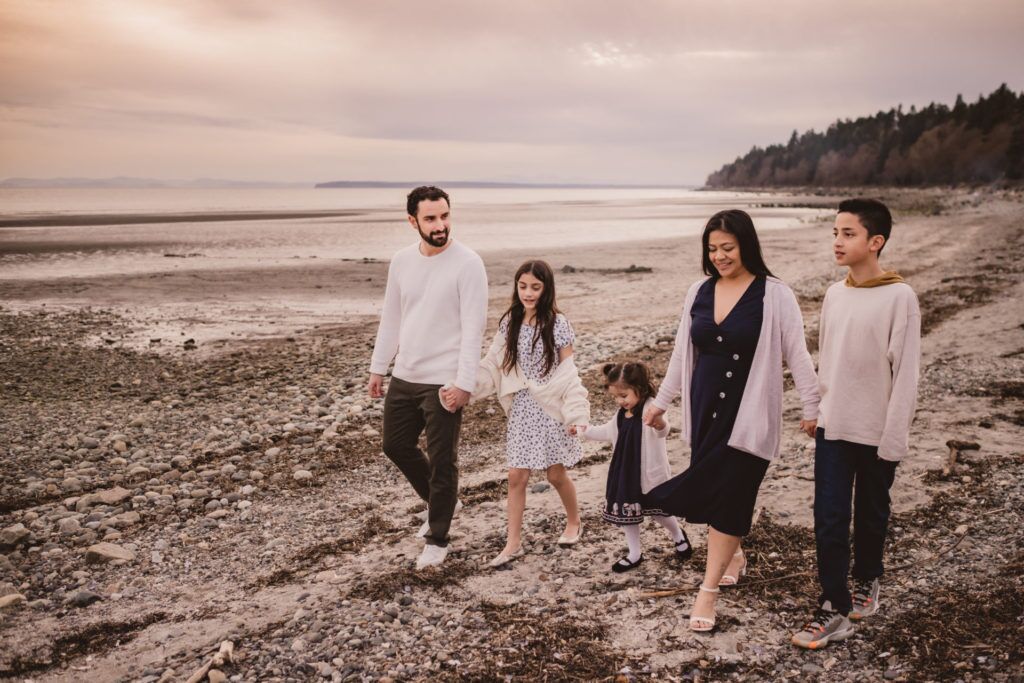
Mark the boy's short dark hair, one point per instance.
(872, 214)
(424, 193)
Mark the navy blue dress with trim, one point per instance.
(623, 492)
(720, 486)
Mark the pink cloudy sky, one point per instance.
(533, 90)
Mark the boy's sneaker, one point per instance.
(825, 626)
(865, 599)
(432, 556)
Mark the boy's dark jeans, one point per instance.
(848, 473)
(410, 408)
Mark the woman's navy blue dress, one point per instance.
(720, 486)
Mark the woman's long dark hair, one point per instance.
(544, 320)
(738, 224)
(634, 375)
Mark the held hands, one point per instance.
(808, 427)
(454, 398)
(577, 430)
(376, 385)
(653, 416)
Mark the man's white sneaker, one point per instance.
(432, 556)
(425, 527)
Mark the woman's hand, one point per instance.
(808, 427)
(652, 416)
(577, 430)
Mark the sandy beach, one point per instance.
(240, 478)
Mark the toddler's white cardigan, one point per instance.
(654, 467)
(562, 396)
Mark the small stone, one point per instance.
(108, 552)
(12, 536)
(302, 475)
(11, 600)
(811, 668)
(216, 676)
(540, 487)
(84, 598)
(272, 452)
(125, 519)
(69, 525)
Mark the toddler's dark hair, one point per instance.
(633, 375)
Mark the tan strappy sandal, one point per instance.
(729, 579)
(703, 624)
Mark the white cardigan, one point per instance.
(654, 467)
(562, 396)
(758, 428)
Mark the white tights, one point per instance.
(633, 535)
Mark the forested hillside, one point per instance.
(977, 143)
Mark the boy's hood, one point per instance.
(889, 277)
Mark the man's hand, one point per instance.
(808, 427)
(454, 398)
(376, 385)
(652, 416)
(577, 430)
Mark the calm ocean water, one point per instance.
(373, 226)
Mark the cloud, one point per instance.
(536, 90)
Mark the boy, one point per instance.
(869, 354)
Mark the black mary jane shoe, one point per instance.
(624, 565)
(684, 550)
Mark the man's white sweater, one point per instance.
(434, 315)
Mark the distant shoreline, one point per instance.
(363, 184)
(93, 219)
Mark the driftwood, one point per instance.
(223, 656)
(955, 447)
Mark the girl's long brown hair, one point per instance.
(544, 320)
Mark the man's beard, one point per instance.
(438, 238)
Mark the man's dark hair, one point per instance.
(872, 214)
(424, 192)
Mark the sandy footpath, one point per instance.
(244, 497)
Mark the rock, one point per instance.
(69, 526)
(12, 536)
(84, 598)
(125, 519)
(71, 484)
(272, 452)
(11, 600)
(302, 475)
(109, 497)
(811, 668)
(540, 487)
(108, 552)
(216, 676)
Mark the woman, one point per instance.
(738, 326)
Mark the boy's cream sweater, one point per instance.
(868, 362)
